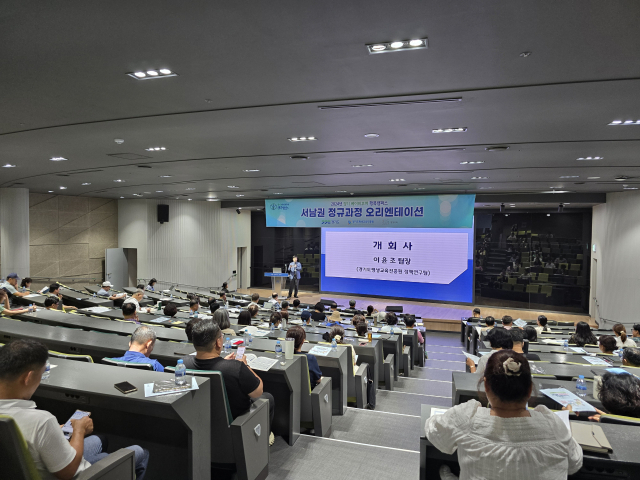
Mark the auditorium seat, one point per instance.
(121, 363)
(71, 356)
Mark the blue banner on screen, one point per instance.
(420, 263)
(417, 211)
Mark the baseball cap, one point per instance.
(107, 284)
(305, 315)
(13, 275)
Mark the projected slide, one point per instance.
(421, 263)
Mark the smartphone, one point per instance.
(67, 428)
(240, 353)
(125, 387)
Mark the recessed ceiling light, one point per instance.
(471, 163)
(593, 178)
(137, 194)
(362, 166)
(630, 188)
(298, 157)
(301, 139)
(251, 170)
(8, 165)
(449, 130)
(341, 191)
(278, 193)
(156, 149)
(420, 188)
(159, 191)
(398, 45)
(118, 180)
(212, 199)
(397, 180)
(121, 197)
(556, 191)
(371, 135)
(86, 183)
(497, 148)
(191, 188)
(484, 188)
(512, 205)
(590, 158)
(149, 74)
(570, 176)
(479, 178)
(165, 176)
(189, 199)
(626, 122)
(548, 214)
(63, 188)
(58, 159)
(240, 195)
(232, 186)
(50, 191)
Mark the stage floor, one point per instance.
(426, 310)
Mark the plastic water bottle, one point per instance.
(621, 353)
(181, 373)
(278, 349)
(195, 314)
(31, 307)
(581, 387)
(47, 370)
(272, 327)
(565, 344)
(227, 345)
(190, 313)
(334, 345)
(94, 295)
(249, 340)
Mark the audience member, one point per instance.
(542, 324)
(244, 318)
(631, 357)
(517, 337)
(129, 312)
(222, 301)
(371, 310)
(253, 310)
(51, 303)
(151, 285)
(507, 322)
(507, 438)
(299, 336)
(284, 311)
(476, 312)
(583, 335)
(352, 308)
(318, 313)
(275, 304)
(106, 289)
(500, 339)
(25, 284)
(225, 288)
(635, 334)
(620, 395)
(391, 321)
(275, 320)
(54, 291)
(135, 299)
(140, 347)
(621, 336)
(530, 333)
(170, 310)
(337, 333)
(335, 316)
(194, 306)
(491, 323)
(254, 300)
(10, 286)
(189, 327)
(22, 363)
(410, 322)
(5, 309)
(607, 343)
(305, 316)
(221, 318)
(242, 384)
(213, 306)
(296, 303)
(362, 329)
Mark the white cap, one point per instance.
(107, 284)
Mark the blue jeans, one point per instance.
(93, 452)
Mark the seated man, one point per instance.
(135, 299)
(253, 310)
(52, 303)
(170, 310)
(476, 313)
(284, 311)
(222, 301)
(296, 304)
(11, 286)
(254, 299)
(140, 347)
(491, 323)
(507, 322)
(130, 313)
(194, 306)
(499, 338)
(517, 336)
(242, 384)
(104, 291)
(22, 363)
(631, 357)
(352, 308)
(275, 303)
(54, 291)
(410, 322)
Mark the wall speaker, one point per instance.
(163, 213)
(394, 308)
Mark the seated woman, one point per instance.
(221, 317)
(410, 322)
(318, 313)
(150, 286)
(5, 309)
(530, 333)
(607, 344)
(583, 335)
(391, 324)
(26, 284)
(494, 443)
(371, 310)
(357, 319)
(542, 325)
(621, 336)
(253, 310)
(620, 395)
(275, 320)
(299, 336)
(244, 318)
(631, 357)
(362, 329)
(337, 333)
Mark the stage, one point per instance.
(435, 316)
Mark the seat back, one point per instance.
(306, 412)
(15, 459)
(619, 419)
(71, 356)
(122, 363)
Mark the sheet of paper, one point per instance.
(97, 309)
(564, 416)
(520, 323)
(577, 349)
(564, 397)
(32, 295)
(261, 333)
(262, 363)
(250, 357)
(148, 389)
(597, 361)
(472, 357)
(160, 320)
(322, 351)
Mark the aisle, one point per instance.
(381, 442)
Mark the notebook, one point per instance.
(591, 437)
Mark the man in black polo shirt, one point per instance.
(54, 291)
(242, 384)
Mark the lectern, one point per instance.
(277, 278)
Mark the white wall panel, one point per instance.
(196, 247)
(14, 231)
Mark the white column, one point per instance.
(14, 231)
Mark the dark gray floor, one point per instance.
(376, 443)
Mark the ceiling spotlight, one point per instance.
(50, 191)
(8, 165)
(301, 139)
(239, 210)
(251, 170)
(232, 186)
(240, 195)
(590, 158)
(397, 180)
(371, 135)
(525, 54)
(548, 214)
(501, 207)
(57, 159)
(397, 44)
(449, 130)
(189, 199)
(191, 188)
(151, 149)
(165, 71)
(86, 183)
(153, 73)
(118, 180)
(63, 188)
(121, 197)
(378, 48)
(415, 43)
(479, 178)
(570, 176)
(560, 208)
(362, 166)
(150, 74)
(140, 74)
(497, 148)
(593, 178)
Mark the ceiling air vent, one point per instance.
(388, 104)
(127, 156)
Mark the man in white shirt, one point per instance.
(135, 299)
(22, 363)
(275, 303)
(254, 300)
(104, 291)
(499, 338)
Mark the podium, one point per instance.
(277, 279)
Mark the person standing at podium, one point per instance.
(294, 276)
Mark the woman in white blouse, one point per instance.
(506, 441)
(622, 340)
